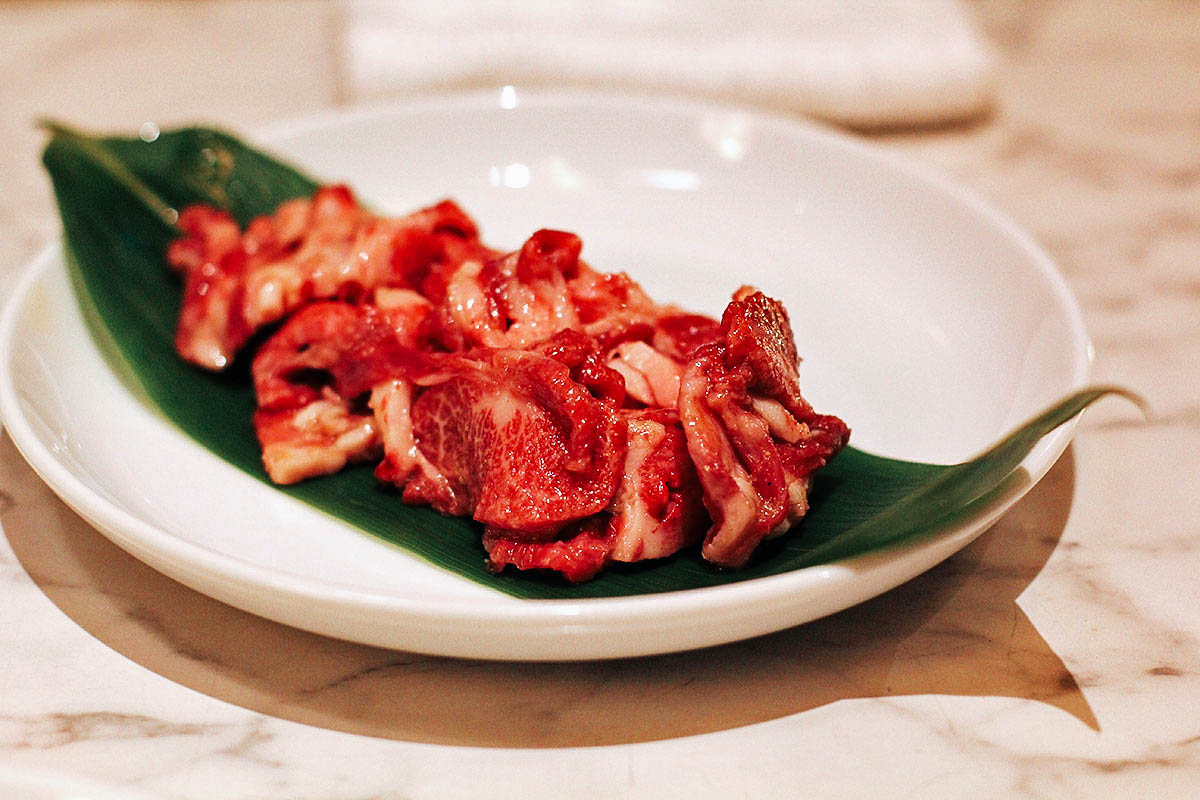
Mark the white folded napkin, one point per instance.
(857, 62)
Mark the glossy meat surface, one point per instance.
(323, 248)
(754, 440)
(581, 423)
(523, 446)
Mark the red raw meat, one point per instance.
(754, 440)
(523, 446)
(348, 348)
(309, 375)
(324, 248)
(658, 509)
(319, 438)
(515, 300)
(579, 421)
(578, 556)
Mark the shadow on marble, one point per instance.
(956, 630)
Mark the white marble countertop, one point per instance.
(1058, 656)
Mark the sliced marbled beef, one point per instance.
(753, 438)
(522, 445)
(310, 376)
(579, 421)
(326, 247)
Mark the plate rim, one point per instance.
(158, 547)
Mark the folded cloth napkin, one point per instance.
(857, 62)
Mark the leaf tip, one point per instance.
(57, 128)
(1141, 403)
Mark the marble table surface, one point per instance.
(1058, 656)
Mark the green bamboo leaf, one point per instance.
(118, 198)
(942, 500)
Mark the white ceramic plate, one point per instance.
(926, 320)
